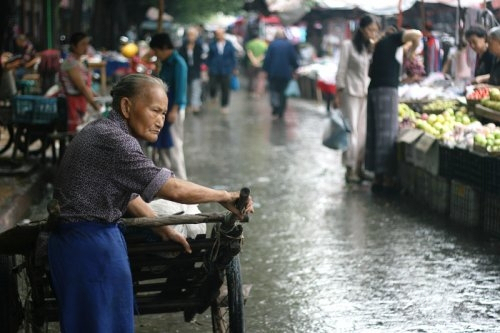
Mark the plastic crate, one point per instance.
(422, 185)
(445, 162)
(491, 181)
(491, 211)
(440, 195)
(37, 110)
(407, 177)
(465, 204)
(468, 167)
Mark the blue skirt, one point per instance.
(91, 278)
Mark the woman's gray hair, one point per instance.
(133, 85)
(494, 33)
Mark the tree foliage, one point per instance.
(196, 11)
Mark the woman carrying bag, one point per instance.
(352, 90)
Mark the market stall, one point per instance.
(449, 154)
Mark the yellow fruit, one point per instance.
(129, 50)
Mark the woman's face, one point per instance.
(81, 47)
(145, 113)
(371, 31)
(478, 44)
(494, 47)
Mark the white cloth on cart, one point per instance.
(164, 207)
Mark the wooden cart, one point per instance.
(165, 278)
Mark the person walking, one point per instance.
(104, 174)
(221, 62)
(352, 89)
(174, 72)
(192, 52)
(280, 64)
(382, 108)
(256, 50)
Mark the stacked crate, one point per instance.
(465, 204)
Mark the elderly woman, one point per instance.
(103, 174)
(494, 48)
(76, 81)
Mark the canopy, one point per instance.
(389, 7)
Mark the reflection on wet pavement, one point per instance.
(326, 257)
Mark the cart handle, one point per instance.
(228, 219)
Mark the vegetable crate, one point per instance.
(34, 110)
(465, 204)
(445, 162)
(439, 198)
(468, 167)
(492, 175)
(491, 218)
(407, 177)
(422, 185)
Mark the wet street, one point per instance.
(324, 257)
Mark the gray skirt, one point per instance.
(382, 130)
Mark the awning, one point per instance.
(290, 10)
(390, 7)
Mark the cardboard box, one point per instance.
(426, 154)
(407, 140)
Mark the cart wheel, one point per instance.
(227, 311)
(6, 137)
(10, 305)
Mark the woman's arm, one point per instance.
(186, 192)
(413, 37)
(139, 208)
(76, 79)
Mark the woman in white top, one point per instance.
(352, 90)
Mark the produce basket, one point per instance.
(487, 113)
(492, 214)
(34, 110)
(465, 204)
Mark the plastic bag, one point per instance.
(336, 134)
(292, 89)
(235, 83)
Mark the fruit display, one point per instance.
(438, 106)
(488, 137)
(492, 101)
(479, 93)
(406, 115)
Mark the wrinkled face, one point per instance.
(494, 46)
(145, 113)
(370, 31)
(478, 44)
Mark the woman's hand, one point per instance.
(230, 204)
(168, 233)
(138, 207)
